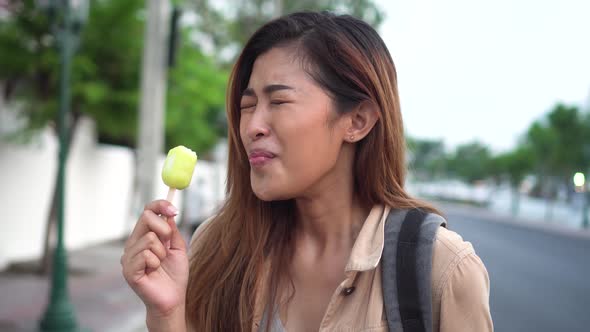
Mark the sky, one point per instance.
(485, 70)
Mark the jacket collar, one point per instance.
(368, 247)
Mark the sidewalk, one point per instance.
(531, 223)
(99, 294)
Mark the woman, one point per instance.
(316, 163)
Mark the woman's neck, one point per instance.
(332, 218)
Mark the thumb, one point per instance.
(176, 239)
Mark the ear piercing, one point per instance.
(351, 138)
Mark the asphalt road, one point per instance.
(540, 280)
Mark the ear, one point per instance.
(361, 120)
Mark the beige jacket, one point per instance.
(460, 285)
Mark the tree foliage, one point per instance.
(196, 100)
(106, 74)
(228, 28)
(427, 158)
(28, 62)
(552, 149)
(514, 165)
(470, 161)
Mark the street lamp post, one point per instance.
(59, 314)
(582, 186)
(585, 221)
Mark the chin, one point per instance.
(267, 194)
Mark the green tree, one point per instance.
(252, 14)
(559, 143)
(196, 99)
(427, 158)
(570, 133)
(514, 165)
(228, 28)
(586, 141)
(542, 140)
(106, 74)
(470, 162)
(105, 71)
(105, 77)
(28, 65)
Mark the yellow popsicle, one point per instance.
(178, 168)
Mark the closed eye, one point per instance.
(244, 107)
(278, 102)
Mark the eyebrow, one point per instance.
(267, 89)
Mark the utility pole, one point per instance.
(153, 97)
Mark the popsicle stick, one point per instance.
(169, 198)
(171, 193)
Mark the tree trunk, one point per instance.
(49, 242)
(515, 201)
(569, 194)
(549, 201)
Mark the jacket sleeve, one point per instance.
(464, 305)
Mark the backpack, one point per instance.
(406, 269)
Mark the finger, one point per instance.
(136, 267)
(162, 207)
(176, 239)
(151, 260)
(150, 222)
(149, 241)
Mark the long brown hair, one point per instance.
(349, 60)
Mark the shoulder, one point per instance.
(460, 281)
(450, 246)
(449, 251)
(452, 255)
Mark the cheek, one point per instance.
(243, 121)
(308, 153)
(311, 154)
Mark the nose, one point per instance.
(257, 126)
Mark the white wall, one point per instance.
(99, 191)
(207, 190)
(26, 178)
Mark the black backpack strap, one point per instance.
(388, 269)
(406, 272)
(406, 266)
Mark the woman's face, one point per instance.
(290, 132)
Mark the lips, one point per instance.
(260, 157)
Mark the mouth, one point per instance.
(259, 158)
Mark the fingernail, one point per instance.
(172, 210)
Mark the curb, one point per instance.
(531, 224)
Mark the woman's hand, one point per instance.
(155, 262)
